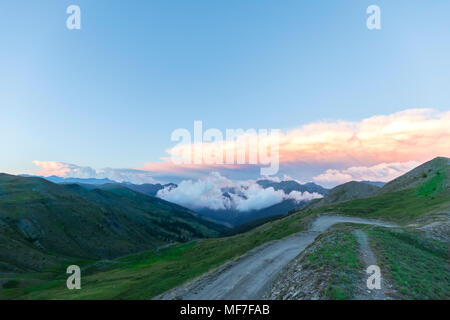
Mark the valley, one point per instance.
(412, 211)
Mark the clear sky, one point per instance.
(110, 94)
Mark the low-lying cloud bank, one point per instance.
(216, 192)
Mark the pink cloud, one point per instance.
(383, 172)
(371, 149)
(413, 134)
(53, 168)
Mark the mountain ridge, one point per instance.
(419, 175)
(290, 185)
(347, 191)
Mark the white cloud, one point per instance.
(246, 196)
(255, 198)
(204, 193)
(303, 196)
(383, 172)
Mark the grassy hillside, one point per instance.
(402, 207)
(236, 218)
(422, 191)
(42, 223)
(417, 266)
(147, 274)
(433, 174)
(345, 192)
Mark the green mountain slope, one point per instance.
(345, 192)
(422, 191)
(40, 220)
(432, 176)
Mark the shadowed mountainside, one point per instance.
(40, 219)
(345, 192)
(289, 186)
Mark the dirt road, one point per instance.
(252, 274)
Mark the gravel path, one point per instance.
(251, 275)
(369, 259)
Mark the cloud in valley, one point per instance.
(211, 193)
(254, 197)
(303, 196)
(205, 193)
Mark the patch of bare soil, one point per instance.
(435, 226)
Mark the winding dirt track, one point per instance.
(369, 259)
(252, 274)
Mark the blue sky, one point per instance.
(110, 94)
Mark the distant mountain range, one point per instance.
(60, 180)
(148, 188)
(290, 185)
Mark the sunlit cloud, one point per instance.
(328, 152)
(382, 172)
(409, 135)
(415, 134)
